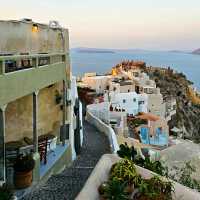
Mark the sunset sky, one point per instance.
(145, 24)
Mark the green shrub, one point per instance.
(154, 166)
(125, 171)
(156, 188)
(115, 190)
(130, 153)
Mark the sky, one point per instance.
(122, 24)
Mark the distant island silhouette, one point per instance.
(92, 50)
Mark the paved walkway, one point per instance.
(67, 185)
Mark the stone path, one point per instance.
(67, 185)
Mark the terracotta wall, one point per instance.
(19, 115)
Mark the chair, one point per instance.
(42, 148)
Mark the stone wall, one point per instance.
(19, 115)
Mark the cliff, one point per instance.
(188, 107)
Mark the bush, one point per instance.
(126, 152)
(125, 171)
(130, 153)
(156, 188)
(115, 190)
(154, 166)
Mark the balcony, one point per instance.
(21, 75)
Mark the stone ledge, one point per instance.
(100, 174)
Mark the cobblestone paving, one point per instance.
(66, 185)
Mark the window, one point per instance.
(134, 100)
(43, 61)
(124, 100)
(141, 102)
(150, 91)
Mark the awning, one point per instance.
(148, 116)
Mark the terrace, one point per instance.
(15, 70)
(21, 77)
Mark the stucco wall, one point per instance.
(127, 88)
(19, 115)
(156, 105)
(127, 101)
(97, 83)
(18, 37)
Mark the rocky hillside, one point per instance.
(188, 110)
(197, 51)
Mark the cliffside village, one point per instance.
(132, 104)
(42, 132)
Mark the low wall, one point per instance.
(104, 128)
(101, 172)
(100, 110)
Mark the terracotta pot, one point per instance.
(23, 179)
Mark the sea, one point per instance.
(101, 63)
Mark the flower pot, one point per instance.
(23, 179)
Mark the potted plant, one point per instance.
(6, 193)
(23, 171)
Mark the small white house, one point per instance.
(97, 83)
(131, 102)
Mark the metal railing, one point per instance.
(13, 63)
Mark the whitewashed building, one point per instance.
(131, 102)
(97, 83)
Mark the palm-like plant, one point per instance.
(116, 190)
